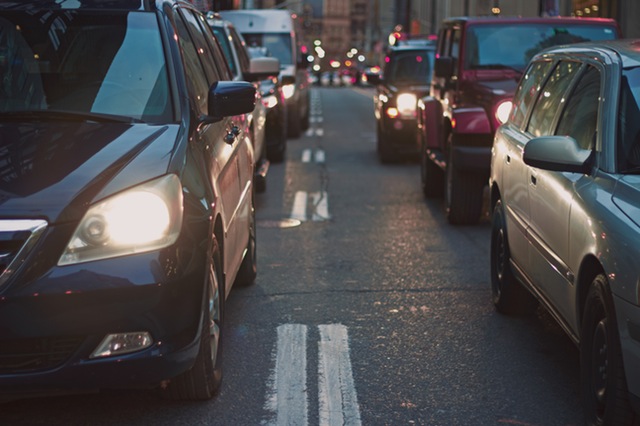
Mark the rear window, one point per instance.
(409, 67)
(279, 44)
(513, 46)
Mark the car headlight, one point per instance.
(288, 90)
(407, 105)
(503, 111)
(144, 218)
(269, 101)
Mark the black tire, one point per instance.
(385, 152)
(604, 388)
(249, 267)
(463, 195)
(294, 123)
(432, 177)
(203, 380)
(508, 295)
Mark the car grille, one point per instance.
(17, 238)
(26, 355)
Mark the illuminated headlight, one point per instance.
(503, 110)
(288, 90)
(269, 101)
(407, 105)
(144, 218)
(122, 343)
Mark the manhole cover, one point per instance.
(282, 223)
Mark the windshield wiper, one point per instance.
(60, 115)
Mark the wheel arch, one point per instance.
(589, 269)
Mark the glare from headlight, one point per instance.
(503, 111)
(288, 90)
(144, 218)
(407, 104)
(269, 101)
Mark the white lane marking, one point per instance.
(320, 132)
(321, 206)
(287, 401)
(309, 132)
(337, 393)
(319, 156)
(306, 156)
(299, 210)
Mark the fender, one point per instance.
(430, 122)
(470, 120)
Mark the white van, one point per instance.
(277, 30)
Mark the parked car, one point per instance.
(479, 63)
(275, 102)
(127, 210)
(280, 32)
(245, 68)
(404, 79)
(565, 192)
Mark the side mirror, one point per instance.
(557, 153)
(229, 98)
(443, 67)
(262, 68)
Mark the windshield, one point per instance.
(279, 44)
(85, 62)
(512, 46)
(629, 121)
(410, 67)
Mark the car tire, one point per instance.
(432, 177)
(463, 195)
(249, 267)
(294, 123)
(604, 388)
(508, 295)
(202, 381)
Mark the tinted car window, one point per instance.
(528, 91)
(551, 98)
(514, 45)
(629, 120)
(241, 48)
(202, 47)
(197, 84)
(580, 116)
(225, 44)
(410, 67)
(84, 65)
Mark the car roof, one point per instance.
(526, 20)
(628, 50)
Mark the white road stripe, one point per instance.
(306, 156)
(299, 210)
(337, 394)
(309, 132)
(319, 156)
(321, 206)
(320, 132)
(288, 401)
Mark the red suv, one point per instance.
(479, 62)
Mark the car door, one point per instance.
(514, 181)
(222, 161)
(552, 194)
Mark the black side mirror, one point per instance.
(443, 67)
(229, 98)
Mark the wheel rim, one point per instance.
(599, 364)
(214, 314)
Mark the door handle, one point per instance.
(534, 180)
(508, 159)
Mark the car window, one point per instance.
(551, 98)
(215, 50)
(197, 84)
(279, 44)
(455, 49)
(225, 44)
(105, 63)
(241, 49)
(580, 117)
(528, 90)
(410, 67)
(629, 120)
(202, 47)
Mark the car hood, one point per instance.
(55, 170)
(626, 195)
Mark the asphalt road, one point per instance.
(369, 309)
